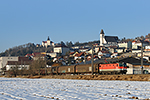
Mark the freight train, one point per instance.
(110, 68)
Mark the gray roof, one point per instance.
(130, 60)
(111, 38)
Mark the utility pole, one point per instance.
(141, 57)
(92, 62)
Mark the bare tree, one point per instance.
(37, 66)
(14, 70)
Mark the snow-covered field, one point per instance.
(62, 89)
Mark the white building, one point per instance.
(147, 48)
(15, 64)
(139, 43)
(108, 40)
(4, 60)
(124, 44)
(61, 49)
(52, 54)
(47, 43)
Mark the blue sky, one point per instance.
(24, 21)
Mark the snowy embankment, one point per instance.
(63, 89)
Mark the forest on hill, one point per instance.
(30, 48)
(22, 50)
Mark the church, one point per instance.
(47, 43)
(108, 40)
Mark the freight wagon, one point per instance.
(73, 69)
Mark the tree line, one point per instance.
(30, 48)
(22, 50)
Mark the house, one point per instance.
(114, 55)
(4, 60)
(90, 51)
(29, 55)
(112, 49)
(108, 40)
(77, 52)
(52, 54)
(147, 48)
(79, 55)
(136, 50)
(120, 50)
(147, 58)
(38, 55)
(96, 44)
(147, 39)
(139, 43)
(84, 49)
(18, 64)
(89, 57)
(71, 54)
(35, 55)
(75, 47)
(61, 49)
(146, 53)
(47, 43)
(37, 45)
(103, 53)
(123, 44)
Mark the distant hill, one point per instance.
(30, 48)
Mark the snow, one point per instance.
(63, 89)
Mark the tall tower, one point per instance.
(101, 37)
(48, 41)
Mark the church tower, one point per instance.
(48, 41)
(101, 37)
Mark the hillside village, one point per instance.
(109, 48)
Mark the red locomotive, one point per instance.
(113, 68)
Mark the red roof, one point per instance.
(71, 53)
(44, 41)
(79, 54)
(23, 59)
(27, 55)
(36, 54)
(133, 41)
(105, 51)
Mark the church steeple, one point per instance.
(102, 37)
(48, 38)
(102, 32)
